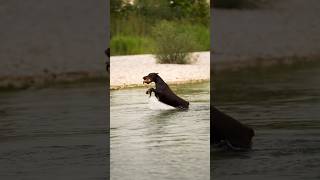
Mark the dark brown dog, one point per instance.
(107, 52)
(163, 92)
(230, 132)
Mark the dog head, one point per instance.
(150, 78)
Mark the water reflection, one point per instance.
(282, 104)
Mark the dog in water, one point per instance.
(163, 92)
(228, 132)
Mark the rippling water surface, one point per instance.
(54, 133)
(283, 106)
(151, 141)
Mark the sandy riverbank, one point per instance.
(127, 71)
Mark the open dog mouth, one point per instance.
(146, 80)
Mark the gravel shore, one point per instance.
(127, 71)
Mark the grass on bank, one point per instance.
(127, 45)
(136, 28)
(131, 38)
(174, 42)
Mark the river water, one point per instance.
(151, 141)
(283, 106)
(54, 133)
(60, 132)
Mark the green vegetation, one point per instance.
(134, 27)
(126, 44)
(173, 43)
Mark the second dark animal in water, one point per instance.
(163, 92)
(229, 132)
(107, 52)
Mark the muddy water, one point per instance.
(283, 106)
(152, 141)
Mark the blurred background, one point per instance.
(265, 71)
(51, 42)
(53, 119)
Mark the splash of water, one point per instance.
(155, 104)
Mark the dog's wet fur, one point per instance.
(228, 132)
(164, 93)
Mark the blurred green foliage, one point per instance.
(132, 23)
(127, 45)
(173, 43)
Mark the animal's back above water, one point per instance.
(168, 97)
(225, 128)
